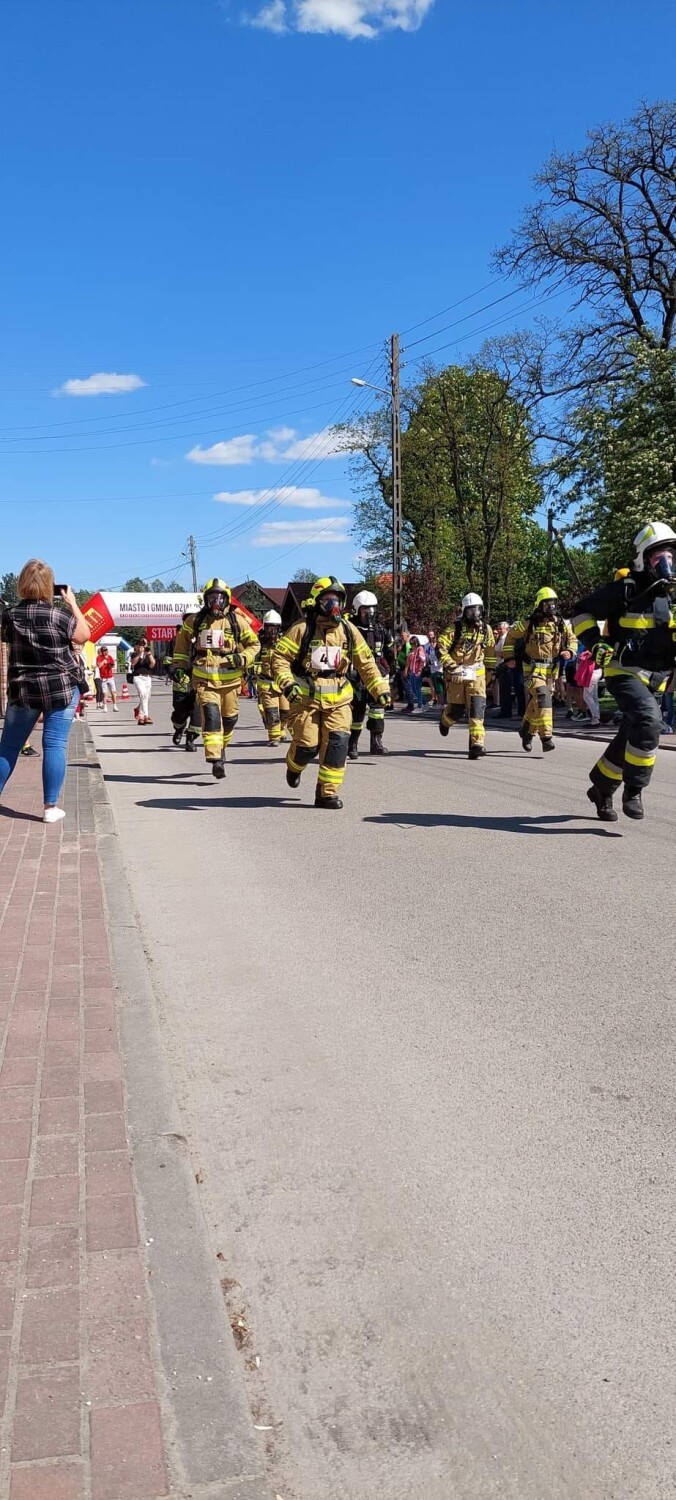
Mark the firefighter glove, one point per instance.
(293, 692)
(601, 654)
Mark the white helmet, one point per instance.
(651, 535)
(272, 618)
(364, 600)
(470, 599)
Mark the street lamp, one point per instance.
(393, 396)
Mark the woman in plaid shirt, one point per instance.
(45, 677)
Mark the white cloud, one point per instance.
(237, 450)
(290, 494)
(317, 445)
(161, 463)
(103, 384)
(367, 19)
(279, 445)
(272, 17)
(332, 529)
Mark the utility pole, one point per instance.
(397, 582)
(192, 554)
(550, 546)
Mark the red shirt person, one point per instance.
(106, 665)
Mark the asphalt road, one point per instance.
(424, 1050)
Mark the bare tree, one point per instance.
(605, 225)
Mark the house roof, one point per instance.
(296, 592)
(276, 596)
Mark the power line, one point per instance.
(208, 543)
(326, 382)
(214, 396)
(456, 324)
(494, 323)
(198, 433)
(301, 469)
(451, 307)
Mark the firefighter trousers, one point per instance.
(466, 695)
(185, 714)
(630, 757)
(219, 712)
(539, 715)
(365, 711)
(323, 732)
(274, 711)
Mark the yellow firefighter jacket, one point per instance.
(474, 648)
(263, 667)
(319, 656)
(206, 645)
(543, 643)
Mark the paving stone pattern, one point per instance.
(78, 1391)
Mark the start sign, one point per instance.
(161, 632)
(151, 612)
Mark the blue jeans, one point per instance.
(19, 723)
(414, 680)
(668, 710)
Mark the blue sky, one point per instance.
(217, 203)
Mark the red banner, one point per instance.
(98, 617)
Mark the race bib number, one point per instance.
(464, 674)
(326, 658)
(211, 640)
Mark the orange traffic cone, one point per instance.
(125, 692)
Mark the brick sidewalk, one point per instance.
(77, 1376)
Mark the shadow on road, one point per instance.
(21, 817)
(193, 804)
(160, 779)
(547, 824)
(442, 754)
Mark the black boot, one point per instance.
(548, 743)
(292, 778)
(353, 747)
(476, 752)
(444, 729)
(218, 769)
(632, 804)
(526, 739)
(332, 803)
(176, 737)
(190, 743)
(603, 802)
(377, 746)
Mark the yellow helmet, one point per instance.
(544, 594)
(324, 586)
(217, 586)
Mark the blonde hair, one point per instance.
(36, 581)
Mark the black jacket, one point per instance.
(640, 623)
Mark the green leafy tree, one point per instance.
(468, 474)
(8, 587)
(304, 575)
(620, 467)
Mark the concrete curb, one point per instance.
(212, 1447)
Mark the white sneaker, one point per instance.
(105, 708)
(53, 815)
(114, 708)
